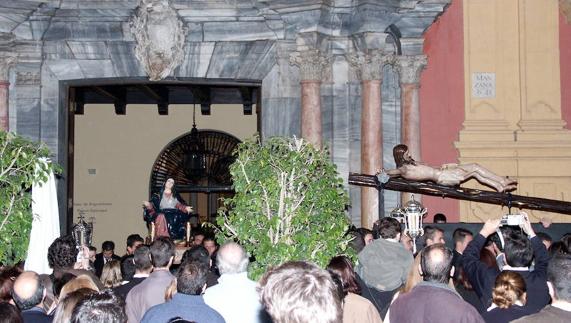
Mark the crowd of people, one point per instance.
(500, 274)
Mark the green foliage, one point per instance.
(289, 204)
(20, 168)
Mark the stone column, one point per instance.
(313, 67)
(409, 68)
(5, 63)
(369, 68)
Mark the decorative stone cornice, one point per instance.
(313, 66)
(7, 60)
(160, 37)
(409, 68)
(369, 66)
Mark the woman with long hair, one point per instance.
(508, 298)
(111, 275)
(356, 309)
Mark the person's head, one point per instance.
(133, 241)
(59, 282)
(62, 253)
(169, 184)
(198, 237)
(142, 259)
(108, 249)
(436, 263)
(367, 235)
(9, 313)
(407, 242)
(559, 277)
(342, 266)
(518, 250)
(196, 254)
(92, 253)
(210, 244)
(509, 289)
(545, 238)
(439, 218)
(433, 235)
(111, 274)
(389, 228)
(300, 292)
(357, 242)
(28, 291)
(232, 259)
(462, 238)
(7, 277)
(128, 267)
(79, 282)
(558, 247)
(100, 307)
(162, 252)
(66, 305)
(402, 156)
(191, 278)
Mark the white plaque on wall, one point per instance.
(483, 85)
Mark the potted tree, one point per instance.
(289, 204)
(22, 164)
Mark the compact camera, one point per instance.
(512, 219)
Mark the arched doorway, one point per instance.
(202, 190)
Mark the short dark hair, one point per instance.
(460, 235)
(196, 254)
(357, 242)
(558, 247)
(131, 239)
(209, 237)
(434, 268)
(162, 249)
(389, 228)
(36, 298)
(518, 250)
(62, 253)
(105, 306)
(430, 232)
(142, 258)
(9, 313)
(128, 267)
(439, 218)
(559, 274)
(191, 278)
(92, 248)
(107, 246)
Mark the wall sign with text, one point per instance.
(483, 85)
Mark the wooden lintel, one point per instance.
(461, 193)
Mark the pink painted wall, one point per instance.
(442, 99)
(564, 59)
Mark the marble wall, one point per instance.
(60, 43)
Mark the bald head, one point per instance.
(232, 259)
(436, 263)
(28, 290)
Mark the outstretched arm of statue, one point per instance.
(184, 208)
(150, 213)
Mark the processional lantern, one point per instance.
(82, 231)
(414, 212)
(195, 157)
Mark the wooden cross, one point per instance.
(461, 193)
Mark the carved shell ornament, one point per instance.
(160, 37)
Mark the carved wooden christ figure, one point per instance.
(447, 174)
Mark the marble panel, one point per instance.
(97, 68)
(39, 25)
(124, 60)
(194, 32)
(84, 31)
(64, 69)
(281, 117)
(89, 50)
(226, 59)
(26, 92)
(28, 121)
(24, 31)
(196, 61)
(258, 61)
(238, 31)
(55, 50)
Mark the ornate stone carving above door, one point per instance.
(160, 36)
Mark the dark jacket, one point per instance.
(432, 303)
(99, 263)
(483, 277)
(124, 289)
(505, 315)
(36, 315)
